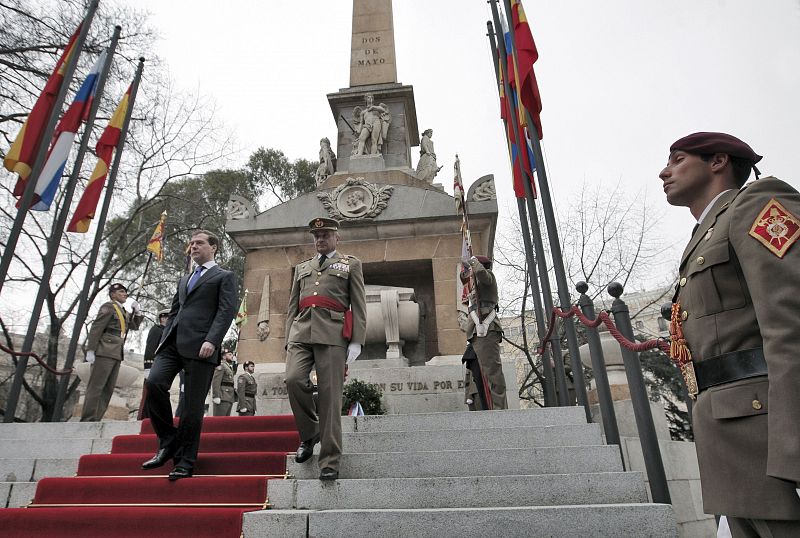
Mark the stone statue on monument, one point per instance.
(426, 167)
(371, 125)
(327, 161)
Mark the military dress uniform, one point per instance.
(247, 388)
(738, 305)
(487, 347)
(107, 339)
(327, 295)
(222, 388)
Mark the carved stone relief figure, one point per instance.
(356, 198)
(426, 167)
(239, 208)
(327, 161)
(371, 125)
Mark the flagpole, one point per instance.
(41, 152)
(555, 252)
(83, 306)
(549, 387)
(536, 234)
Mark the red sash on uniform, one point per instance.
(331, 304)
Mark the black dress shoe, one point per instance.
(178, 473)
(328, 474)
(305, 450)
(162, 456)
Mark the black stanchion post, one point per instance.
(607, 413)
(641, 404)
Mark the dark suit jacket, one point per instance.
(153, 339)
(204, 314)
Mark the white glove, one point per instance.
(353, 351)
(132, 305)
(181, 387)
(243, 410)
(217, 400)
(798, 492)
(90, 356)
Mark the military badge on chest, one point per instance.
(344, 267)
(776, 228)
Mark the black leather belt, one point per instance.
(730, 367)
(113, 331)
(226, 384)
(250, 394)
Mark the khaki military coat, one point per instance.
(737, 293)
(486, 295)
(222, 383)
(339, 278)
(105, 338)
(247, 388)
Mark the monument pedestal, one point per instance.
(366, 163)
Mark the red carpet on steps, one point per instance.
(113, 497)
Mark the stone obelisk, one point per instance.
(373, 75)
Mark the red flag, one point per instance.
(22, 153)
(526, 55)
(108, 141)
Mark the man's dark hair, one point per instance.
(213, 240)
(741, 168)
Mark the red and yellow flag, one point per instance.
(156, 243)
(22, 153)
(106, 145)
(526, 56)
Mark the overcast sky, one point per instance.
(620, 80)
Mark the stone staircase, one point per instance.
(510, 473)
(32, 451)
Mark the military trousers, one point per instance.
(322, 420)
(487, 349)
(223, 409)
(100, 388)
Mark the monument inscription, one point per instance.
(372, 54)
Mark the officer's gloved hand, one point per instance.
(798, 489)
(353, 351)
(217, 400)
(243, 410)
(90, 356)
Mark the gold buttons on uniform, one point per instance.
(701, 260)
(757, 405)
(319, 274)
(315, 293)
(684, 315)
(683, 281)
(316, 283)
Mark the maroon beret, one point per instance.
(710, 143)
(484, 259)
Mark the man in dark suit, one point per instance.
(201, 314)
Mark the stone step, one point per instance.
(68, 430)
(466, 420)
(54, 448)
(16, 494)
(459, 492)
(526, 461)
(485, 439)
(25, 469)
(608, 521)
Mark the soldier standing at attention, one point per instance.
(104, 350)
(247, 388)
(222, 391)
(326, 326)
(483, 329)
(734, 327)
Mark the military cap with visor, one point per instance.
(116, 287)
(323, 223)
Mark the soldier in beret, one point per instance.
(247, 388)
(105, 349)
(483, 328)
(326, 326)
(734, 328)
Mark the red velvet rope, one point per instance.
(602, 317)
(38, 359)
